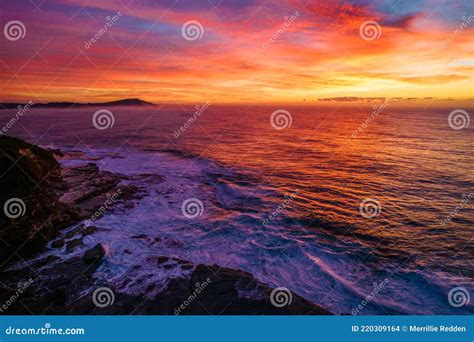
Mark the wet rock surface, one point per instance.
(57, 200)
(209, 290)
(93, 255)
(54, 198)
(30, 176)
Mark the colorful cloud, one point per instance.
(249, 51)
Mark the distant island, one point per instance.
(124, 102)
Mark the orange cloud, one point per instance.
(257, 51)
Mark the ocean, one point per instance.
(358, 209)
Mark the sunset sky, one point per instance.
(250, 51)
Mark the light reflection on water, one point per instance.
(409, 160)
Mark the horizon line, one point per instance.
(326, 100)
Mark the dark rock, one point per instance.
(71, 233)
(58, 243)
(46, 261)
(94, 254)
(57, 296)
(234, 292)
(173, 243)
(65, 287)
(90, 230)
(73, 244)
(54, 198)
(139, 237)
(147, 239)
(162, 259)
(30, 174)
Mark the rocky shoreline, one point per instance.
(56, 201)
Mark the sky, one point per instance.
(242, 51)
